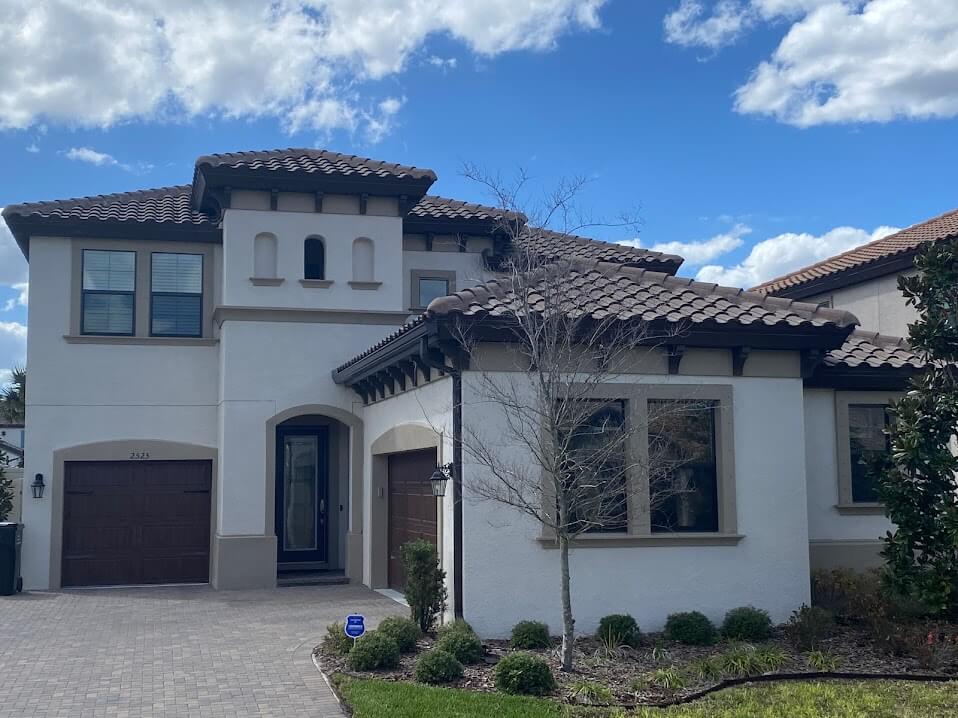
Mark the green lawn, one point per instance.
(828, 699)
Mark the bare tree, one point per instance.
(565, 453)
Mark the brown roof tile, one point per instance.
(606, 289)
(432, 207)
(556, 245)
(162, 205)
(902, 243)
(876, 351)
(314, 161)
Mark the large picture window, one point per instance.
(109, 288)
(683, 471)
(176, 301)
(867, 443)
(595, 470)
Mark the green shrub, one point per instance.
(670, 679)
(458, 625)
(437, 666)
(425, 582)
(464, 646)
(692, 628)
(525, 674)
(770, 658)
(747, 624)
(373, 651)
(706, 668)
(618, 629)
(808, 626)
(849, 595)
(404, 631)
(336, 641)
(822, 661)
(6, 495)
(530, 634)
(591, 693)
(741, 662)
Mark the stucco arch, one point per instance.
(354, 532)
(116, 450)
(406, 437)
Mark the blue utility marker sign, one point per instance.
(355, 626)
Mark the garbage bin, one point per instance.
(11, 537)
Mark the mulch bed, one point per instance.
(857, 653)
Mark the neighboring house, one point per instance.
(236, 378)
(843, 423)
(12, 441)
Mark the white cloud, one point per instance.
(13, 347)
(840, 60)
(21, 300)
(302, 61)
(443, 63)
(85, 154)
(13, 267)
(787, 252)
(696, 253)
(32, 148)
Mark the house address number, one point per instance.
(139, 455)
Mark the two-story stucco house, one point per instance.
(255, 374)
(842, 422)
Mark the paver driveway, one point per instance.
(172, 651)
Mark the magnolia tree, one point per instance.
(564, 450)
(918, 485)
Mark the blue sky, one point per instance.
(754, 136)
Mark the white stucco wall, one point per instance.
(825, 523)
(878, 304)
(508, 576)
(240, 228)
(90, 393)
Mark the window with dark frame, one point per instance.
(431, 288)
(683, 470)
(868, 443)
(595, 471)
(108, 293)
(314, 259)
(176, 301)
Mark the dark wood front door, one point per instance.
(412, 507)
(136, 522)
(302, 496)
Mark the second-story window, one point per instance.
(176, 301)
(109, 286)
(432, 288)
(314, 259)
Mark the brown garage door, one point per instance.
(412, 507)
(128, 522)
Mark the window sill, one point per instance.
(365, 285)
(316, 283)
(140, 341)
(676, 539)
(861, 509)
(266, 281)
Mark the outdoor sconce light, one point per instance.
(439, 477)
(37, 486)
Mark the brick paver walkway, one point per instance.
(175, 651)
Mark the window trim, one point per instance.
(201, 296)
(844, 399)
(142, 248)
(636, 398)
(84, 292)
(417, 274)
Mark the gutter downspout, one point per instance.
(456, 373)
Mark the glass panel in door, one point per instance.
(301, 493)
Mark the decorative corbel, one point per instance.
(273, 199)
(318, 202)
(811, 358)
(363, 199)
(739, 357)
(675, 351)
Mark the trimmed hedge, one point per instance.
(530, 634)
(404, 631)
(747, 623)
(619, 629)
(373, 651)
(466, 647)
(336, 641)
(436, 667)
(691, 628)
(524, 674)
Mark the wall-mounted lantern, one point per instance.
(37, 486)
(439, 478)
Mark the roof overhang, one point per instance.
(861, 378)
(845, 278)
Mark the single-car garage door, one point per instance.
(131, 522)
(412, 507)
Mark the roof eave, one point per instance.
(847, 277)
(861, 378)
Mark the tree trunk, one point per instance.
(568, 624)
